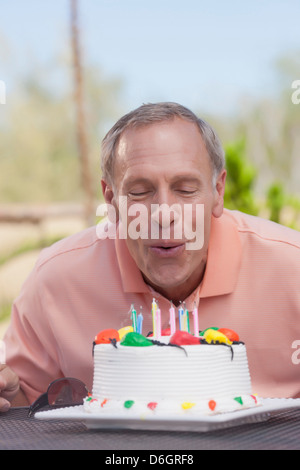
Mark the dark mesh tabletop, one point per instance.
(20, 433)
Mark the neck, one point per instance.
(178, 293)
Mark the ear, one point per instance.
(109, 196)
(219, 194)
(107, 192)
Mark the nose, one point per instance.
(165, 212)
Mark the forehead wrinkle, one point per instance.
(132, 153)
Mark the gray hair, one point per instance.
(148, 114)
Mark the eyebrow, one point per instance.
(133, 181)
(177, 178)
(186, 177)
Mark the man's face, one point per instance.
(167, 163)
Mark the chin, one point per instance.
(167, 279)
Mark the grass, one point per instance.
(29, 245)
(5, 310)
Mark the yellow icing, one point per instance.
(187, 405)
(211, 336)
(123, 331)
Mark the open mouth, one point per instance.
(166, 251)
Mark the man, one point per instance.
(244, 274)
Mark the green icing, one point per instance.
(239, 400)
(135, 339)
(211, 328)
(128, 403)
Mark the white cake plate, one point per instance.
(203, 423)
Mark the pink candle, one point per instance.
(158, 323)
(196, 323)
(172, 319)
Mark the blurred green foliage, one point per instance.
(276, 200)
(240, 190)
(240, 181)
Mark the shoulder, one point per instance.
(76, 246)
(264, 231)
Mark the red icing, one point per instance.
(152, 405)
(165, 332)
(254, 398)
(105, 336)
(212, 404)
(182, 338)
(230, 334)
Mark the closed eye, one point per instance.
(186, 191)
(138, 195)
(183, 191)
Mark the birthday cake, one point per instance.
(174, 374)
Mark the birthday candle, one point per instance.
(140, 322)
(180, 315)
(183, 321)
(154, 308)
(187, 321)
(172, 319)
(158, 323)
(196, 321)
(134, 319)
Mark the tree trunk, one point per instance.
(86, 179)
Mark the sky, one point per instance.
(202, 54)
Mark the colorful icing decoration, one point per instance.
(164, 332)
(210, 328)
(212, 405)
(104, 402)
(128, 403)
(183, 338)
(213, 336)
(123, 331)
(135, 339)
(187, 405)
(254, 398)
(106, 336)
(152, 405)
(239, 400)
(230, 334)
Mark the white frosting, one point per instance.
(176, 380)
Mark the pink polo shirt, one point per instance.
(82, 285)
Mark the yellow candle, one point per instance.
(154, 308)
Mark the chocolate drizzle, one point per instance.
(113, 341)
(218, 343)
(158, 343)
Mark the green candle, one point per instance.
(187, 321)
(134, 319)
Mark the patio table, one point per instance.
(17, 432)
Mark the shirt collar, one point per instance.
(222, 267)
(131, 276)
(223, 258)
